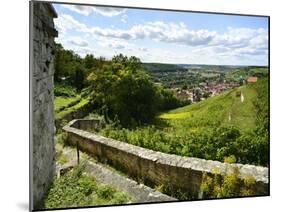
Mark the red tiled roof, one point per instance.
(252, 79)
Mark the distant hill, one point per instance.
(243, 73)
(161, 67)
(210, 67)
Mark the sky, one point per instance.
(163, 36)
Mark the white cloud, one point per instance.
(242, 37)
(87, 10)
(83, 10)
(114, 43)
(109, 11)
(158, 31)
(110, 33)
(174, 33)
(66, 22)
(76, 41)
(124, 18)
(242, 43)
(143, 49)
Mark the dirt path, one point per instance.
(103, 174)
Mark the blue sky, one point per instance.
(163, 36)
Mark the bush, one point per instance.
(106, 192)
(168, 100)
(229, 185)
(64, 90)
(225, 144)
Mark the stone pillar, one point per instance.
(42, 149)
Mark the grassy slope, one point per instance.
(68, 110)
(62, 101)
(218, 109)
(69, 100)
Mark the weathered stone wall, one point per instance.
(86, 124)
(42, 33)
(156, 168)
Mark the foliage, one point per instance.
(243, 73)
(70, 190)
(71, 109)
(68, 99)
(61, 137)
(68, 67)
(167, 99)
(161, 67)
(126, 92)
(203, 129)
(185, 76)
(230, 159)
(63, 90)
(61, 158)
(62, 103)
(119, 86)
(229, 185)
(159, 188)
(75, 189)
(71, 69)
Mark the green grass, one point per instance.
(217, 110)
(68, 100)
(76, 189)
(69, 110)
(61, 89)
(63, 101)
(174, 115)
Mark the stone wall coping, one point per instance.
(259, 173)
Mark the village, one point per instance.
(210, 89)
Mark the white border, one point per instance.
(14, 87)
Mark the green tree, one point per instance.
(69, 68)
(89, 61)
(125, 89)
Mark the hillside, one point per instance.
(221, 127)
(161, 67)
(227, 109)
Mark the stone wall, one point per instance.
(86, 124)
(42, 154)
(156, 168)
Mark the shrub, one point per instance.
(64, 90)
(106, 192)
(229, 185)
